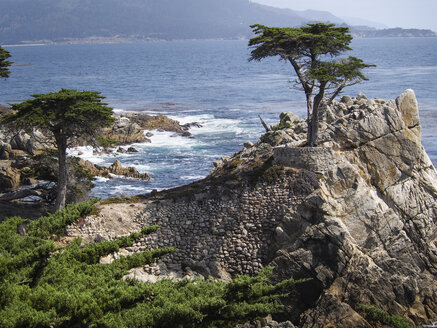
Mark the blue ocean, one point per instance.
(212, 83)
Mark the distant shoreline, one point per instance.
(133, 40)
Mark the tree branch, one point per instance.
(267, 127)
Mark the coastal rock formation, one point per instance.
(115, 169)
(129, 127)
(357, 215)
(368, 235)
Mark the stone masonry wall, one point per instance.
(234, 233)
(214, 232)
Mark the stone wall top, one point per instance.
(316, 159)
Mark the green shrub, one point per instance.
(377, 315)
(106, 142)
(55, 224)
(42, 285)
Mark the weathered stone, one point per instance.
(288, 117)
(9, 177)
(116, 168)
(132, 150)
(407, 105)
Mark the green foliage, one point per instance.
(42, 285)
(106, 142)
(124, 200)
(4, 64)
(377, 315)
(282, 125)
(346, 70)
(65, 114)
(293, 43)
(55, 224)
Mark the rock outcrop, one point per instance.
(368, 234)
(115, 169)
(129, 127)
(357, 215)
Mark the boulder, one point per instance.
(289, 117)
(5, 150)
(116, 169)
(9, 177)
(132, 150)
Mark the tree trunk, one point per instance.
(62, 175)
(310, 112)
(312, 141)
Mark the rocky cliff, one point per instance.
(357, 215)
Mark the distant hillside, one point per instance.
(56, 20)
(65, 20)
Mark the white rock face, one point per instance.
(371, 227)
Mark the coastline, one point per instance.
(116, 39)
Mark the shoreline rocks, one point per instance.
(129, 128)
(17, 149)
(114, 169)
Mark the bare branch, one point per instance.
(267, 127)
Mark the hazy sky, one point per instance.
(393, 13)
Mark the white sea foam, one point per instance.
(210, 124)
(101, 179)
(192, 177)
(87, 153)
(192, 118)
(169, 140)
(128, 188)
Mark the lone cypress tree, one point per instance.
(65, 115)
(309, 50)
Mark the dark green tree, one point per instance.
(310, 51)
(65, 116)
(4, 64)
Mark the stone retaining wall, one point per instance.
(230, 231)
(234, 233)
(316, 159)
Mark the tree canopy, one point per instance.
(64, 115)
(4, 64)
(310, 50)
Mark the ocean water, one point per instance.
(212, 83)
